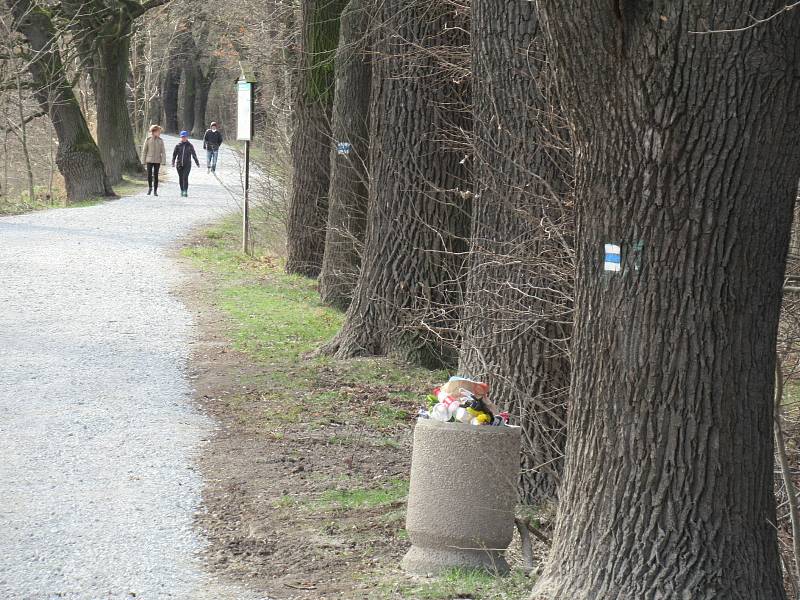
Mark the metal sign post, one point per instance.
(244, 122)
(246, 208)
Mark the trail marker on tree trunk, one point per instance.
(611, 260)
(244, 132)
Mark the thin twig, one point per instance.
(756, 22)
(783, 460)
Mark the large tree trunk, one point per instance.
(349, 178)
(114, 132)
(311, 139)
(516, 323)
(409, 289)
(688, 157)
(77, 157)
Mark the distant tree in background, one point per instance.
(265, 36)
(17, 115)
(188, 87)
(102, 31)
(148, 52)
(204, 66)
(180, 48)
(78, 157)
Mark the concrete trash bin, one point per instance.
(462, 496)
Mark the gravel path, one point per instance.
(97, 431)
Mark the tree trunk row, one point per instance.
(349, 162)
(311, 139)
(516, 325)
(409, 290)
(185, 88)
(686, 165)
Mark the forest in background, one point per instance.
(181, 64)
(448, 171)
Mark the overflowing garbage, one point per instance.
(463, 400)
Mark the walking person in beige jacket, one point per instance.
(154, 154)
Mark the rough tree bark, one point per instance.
(688, 157)
(516, 322)
(349, 176)
(409, 287)
(77, 157)
(311, 138)
(114, 130)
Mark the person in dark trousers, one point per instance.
(212, 140)
(182, 158)
(153, 156)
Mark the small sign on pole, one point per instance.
(244, 110)
(244, 132)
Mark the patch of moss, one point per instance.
(394, 491)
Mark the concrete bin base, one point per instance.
(462, 497)
(432, 561)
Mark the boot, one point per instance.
(155, 192)
(150, 190)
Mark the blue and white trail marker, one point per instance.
(343, 147)
(611, 260)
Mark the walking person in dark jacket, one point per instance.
(212, 140)
(182, 158)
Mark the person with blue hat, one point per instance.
(182, 159)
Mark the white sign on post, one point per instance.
(244, 118)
